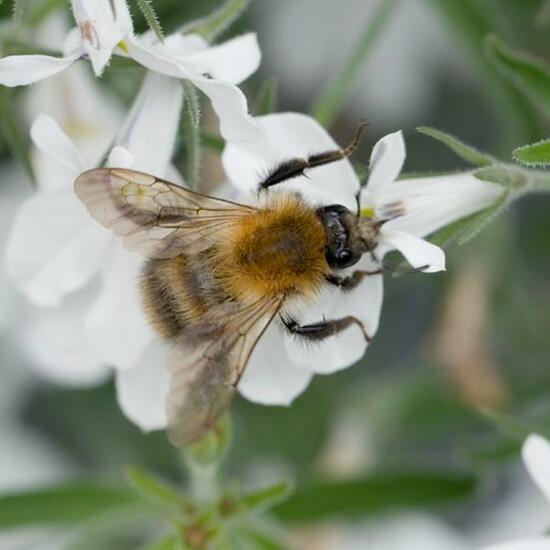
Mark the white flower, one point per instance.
(281, 367)
(103, 32)
(536, 457)
(56, 253)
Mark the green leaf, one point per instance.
(64, 504)
(191, 137)
(219, 21)
(11, 129)
(480, 221)
(146, 8)
(260, 540)
(154, 489)
(517, 429)
(373, 495)
(266, 99)
(192, 102)
(267, 497)
(529, 75)
(542, 17)
(535, 154)
(466, 152)
(333, 97)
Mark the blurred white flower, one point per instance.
(280, 368)
(536, 457)
(56, 253)
(105, 28)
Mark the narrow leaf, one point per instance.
(190, 127)
(517, 429)
(535, 154)
(211, 142)
(529, 75)
(11, 130)
(333, 97)
(266, 99)
(146, 8)
(373, 495)
(466, 152)
(153, 488)
(168, 543)
(192, 102)
(219, 21)
(64, 504)
(267, 497)
(480, 221)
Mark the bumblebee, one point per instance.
(218, 272)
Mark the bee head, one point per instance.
(348, 237)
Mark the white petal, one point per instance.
(232, 61)
(227, 100)
(57, 346)
(536, 456)
(116, 324)
(346, 348)
(285, 136)
(142, 390)
(418, 252)
(20, 70)
(433, 202)
(149, 132)
(99, 31)
(48, 136)
(54, 247)
(120, 157)
(270, 378)
(539, 543)
(386, 161)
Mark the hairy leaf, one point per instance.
(535, 154)
(529, 75)
(464, 151)
(146, 8)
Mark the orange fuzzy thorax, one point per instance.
(278, 251)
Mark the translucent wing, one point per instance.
(154, 217)
(206, 365)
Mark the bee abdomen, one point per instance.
(172, 295)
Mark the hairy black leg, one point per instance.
(295, 167)
(351, 281)
(316, 332)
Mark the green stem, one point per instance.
(335, 94)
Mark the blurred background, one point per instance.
(416, 446)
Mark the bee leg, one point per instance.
(295, 167)
(351, 281)
(316, 332)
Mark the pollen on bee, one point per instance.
(367, 212)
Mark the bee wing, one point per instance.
(206, 365)
(154, 217)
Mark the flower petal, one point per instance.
(270, 378)
(227, 100)
(344, 349)
(536, 456)
(149, 131)
(284, 136)
(54, 247)
(434, 202)
(418, 252)
(48, 136)
(20, 70)
(232, 61)
(120, 157)
(116, 324)
(57, 346)
(142, 390)
(386, 161)
(99, 31)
